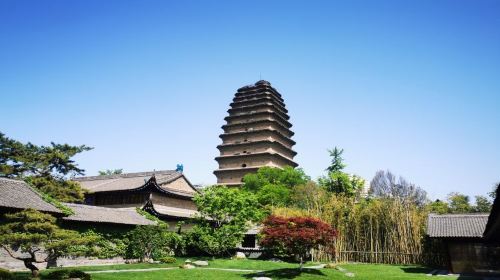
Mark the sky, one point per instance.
(407, 86)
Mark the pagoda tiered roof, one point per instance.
(249, 133)
(257, 133)
(250, 115)
(250, 143)
(270, 121)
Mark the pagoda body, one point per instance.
(256, 134)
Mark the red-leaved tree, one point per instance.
(295, 237)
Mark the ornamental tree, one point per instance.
(296, 237)
(34, 237)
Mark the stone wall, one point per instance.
(10, 263)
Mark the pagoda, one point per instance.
(256, 134)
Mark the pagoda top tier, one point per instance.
(258, 83)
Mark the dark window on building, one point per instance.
(248, 241)
(244, 165)
(244, 152)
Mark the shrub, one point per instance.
(295, 237)
(168, 260)
(5, 274)
(67, 274)
(152, 242)
(79, 274)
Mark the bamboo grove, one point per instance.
(379, 230)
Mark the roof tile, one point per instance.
(456, 225)
(18, 194)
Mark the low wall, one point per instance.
(10, 263)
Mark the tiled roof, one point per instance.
(96, 214)
(174, 211)
(125, 181)
(17, 194)
(456, 225)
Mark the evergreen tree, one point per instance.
(47, 168)
(337, 181)
(33, 237)
(337, 160)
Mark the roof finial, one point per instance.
(180, 168)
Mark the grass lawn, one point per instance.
(274, 270)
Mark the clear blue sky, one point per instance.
(410, 86)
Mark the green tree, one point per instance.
(494, 191)
(152, 242)
(287, 177)
(272, 185)
(110, 172)
(459, 203)
(45, 167)
(309, 196)
(337, 181)
(225, 214)
(274, 195)
(34, 237)
(483, 204)
(439, 207)
(337, 163)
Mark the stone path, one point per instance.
(231, 269)
(131, 270)
(170, 268)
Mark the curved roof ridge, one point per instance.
(124, 175)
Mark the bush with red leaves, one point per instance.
(295, 237)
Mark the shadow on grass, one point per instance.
(285, 273)
(416, 269)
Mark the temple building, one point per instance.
(256, 134)
(166, 194)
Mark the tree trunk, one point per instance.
(301, 263)
(28, 263)
(51, 261)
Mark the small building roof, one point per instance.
(18, 194)
(96, 214)
(456, 225)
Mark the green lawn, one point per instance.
(274, 270)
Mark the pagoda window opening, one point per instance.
(244, 165)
